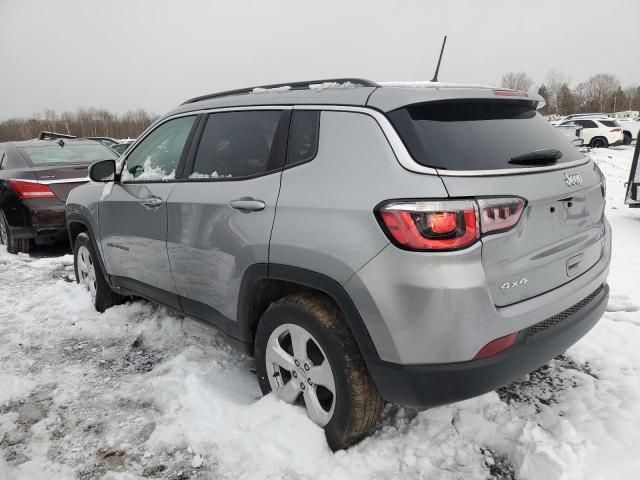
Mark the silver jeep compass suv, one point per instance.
(412, 243)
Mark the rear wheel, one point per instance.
(89, 274)
(306, 355)
(14, 245)
(599, 142)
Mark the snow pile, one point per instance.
(138, 392)
(149, 172)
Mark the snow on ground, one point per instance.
(138, 392)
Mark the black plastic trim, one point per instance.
(76, 218)
(307, 278)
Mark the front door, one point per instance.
(133, 212)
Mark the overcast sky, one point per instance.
(126, 54)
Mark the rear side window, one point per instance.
(476, 134)
(609, 123)
(303, 136)
(586, 123)
(238, 144)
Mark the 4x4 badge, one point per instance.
(573, 179)
(519, 283)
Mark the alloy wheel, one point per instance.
(298, 367)
(86, 269)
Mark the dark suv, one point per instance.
(35, 178)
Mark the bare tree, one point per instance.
(83, 123)
(517, 81)
(554, 81)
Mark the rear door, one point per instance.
(133, 213)
(221, 214)
(502, 149)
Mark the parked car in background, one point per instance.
(121, 147)
(573, 132)
(630, 129)
(108, 141)
(414, 244)
(598, 132)
(573, 116)
(35, 178)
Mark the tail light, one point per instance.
(30, 189)
(616, 130)
(441, 225)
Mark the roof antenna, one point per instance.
(435, 76)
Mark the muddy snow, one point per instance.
(139, 392)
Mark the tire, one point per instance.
(627, 139)
(88, 272)
(14, 245)
(354, 407)
(599, 142)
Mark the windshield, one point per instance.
(56, 155)
(477, 134)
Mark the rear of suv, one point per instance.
(412, 243)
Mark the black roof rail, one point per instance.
(44, 135)
(293, 85)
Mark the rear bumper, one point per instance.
(42, 220)
(616, 143)
(437, 384)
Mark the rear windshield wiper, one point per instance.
(537, 157)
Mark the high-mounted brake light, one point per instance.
(437, 225)
(30, 190)
(509, 93)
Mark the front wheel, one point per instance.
(89, 274)
(307, 356)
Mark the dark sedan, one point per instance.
(35, 178)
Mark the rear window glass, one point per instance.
(477, 134)
(57, 155)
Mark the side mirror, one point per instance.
(103, 171)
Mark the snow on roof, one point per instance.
(285, 88)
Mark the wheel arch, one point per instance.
(77, 224)
(262, 284)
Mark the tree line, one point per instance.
(85, 122)
(600, 93)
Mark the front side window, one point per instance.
(157, 156)
(238, 144)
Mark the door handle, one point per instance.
(247, 204)
(152, 202)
